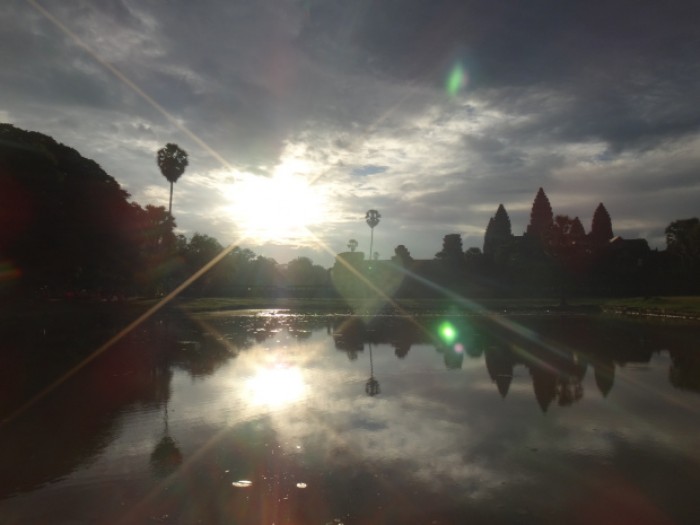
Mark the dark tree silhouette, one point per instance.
(172, 162)
(158, 250)
(683, 239)
(303, 272)
(372, 217)
(402, 255)
(451, 248)
(352, 245)
(66, 224)
(683, 247)
(540, 216)
(601, 226)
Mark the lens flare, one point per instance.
(457, 79)
(447, 332)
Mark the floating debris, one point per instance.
(243, 483)
(301, 485)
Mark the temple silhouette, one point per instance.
(554, 256)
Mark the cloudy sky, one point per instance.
(432, 112)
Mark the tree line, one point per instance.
(69, 229)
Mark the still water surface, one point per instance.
(269, 418)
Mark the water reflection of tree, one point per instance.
(452, 357)
(684, 372)
(80, 419)
(349, 336)
(372, 386)
(166, 456)
(351, 333)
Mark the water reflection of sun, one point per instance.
(275, 386)
(282, 208)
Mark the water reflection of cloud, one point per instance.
(397, 430)
(444, 430)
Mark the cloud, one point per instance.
(588, 101)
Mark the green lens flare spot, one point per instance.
(447, 333)
(456, 80)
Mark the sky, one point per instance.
(298, 116)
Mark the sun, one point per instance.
(275, 386)
(282, 208)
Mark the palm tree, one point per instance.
(172, 162)
(372, 217)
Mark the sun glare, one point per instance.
(276, 386)
(283, 208)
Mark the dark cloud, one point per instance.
(593, 101)
(627, 69)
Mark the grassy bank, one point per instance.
(687, 307)
(680, 306)
(95, 315)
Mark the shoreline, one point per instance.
(82, 313)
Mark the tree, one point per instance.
(172, 162)
(303, 272)
(200, 251)
(683, 238)
(352, 245)
(601, 226)
(66, 224)
(158, 249)
(372, 217)
(683, 245)
(540, 216)
(451, 248)
(402, 255)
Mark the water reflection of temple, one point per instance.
(499, 364)
(551, 356)
(556, 352)
(555, 376)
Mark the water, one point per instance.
(282, 419)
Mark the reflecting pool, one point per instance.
(272, 418)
